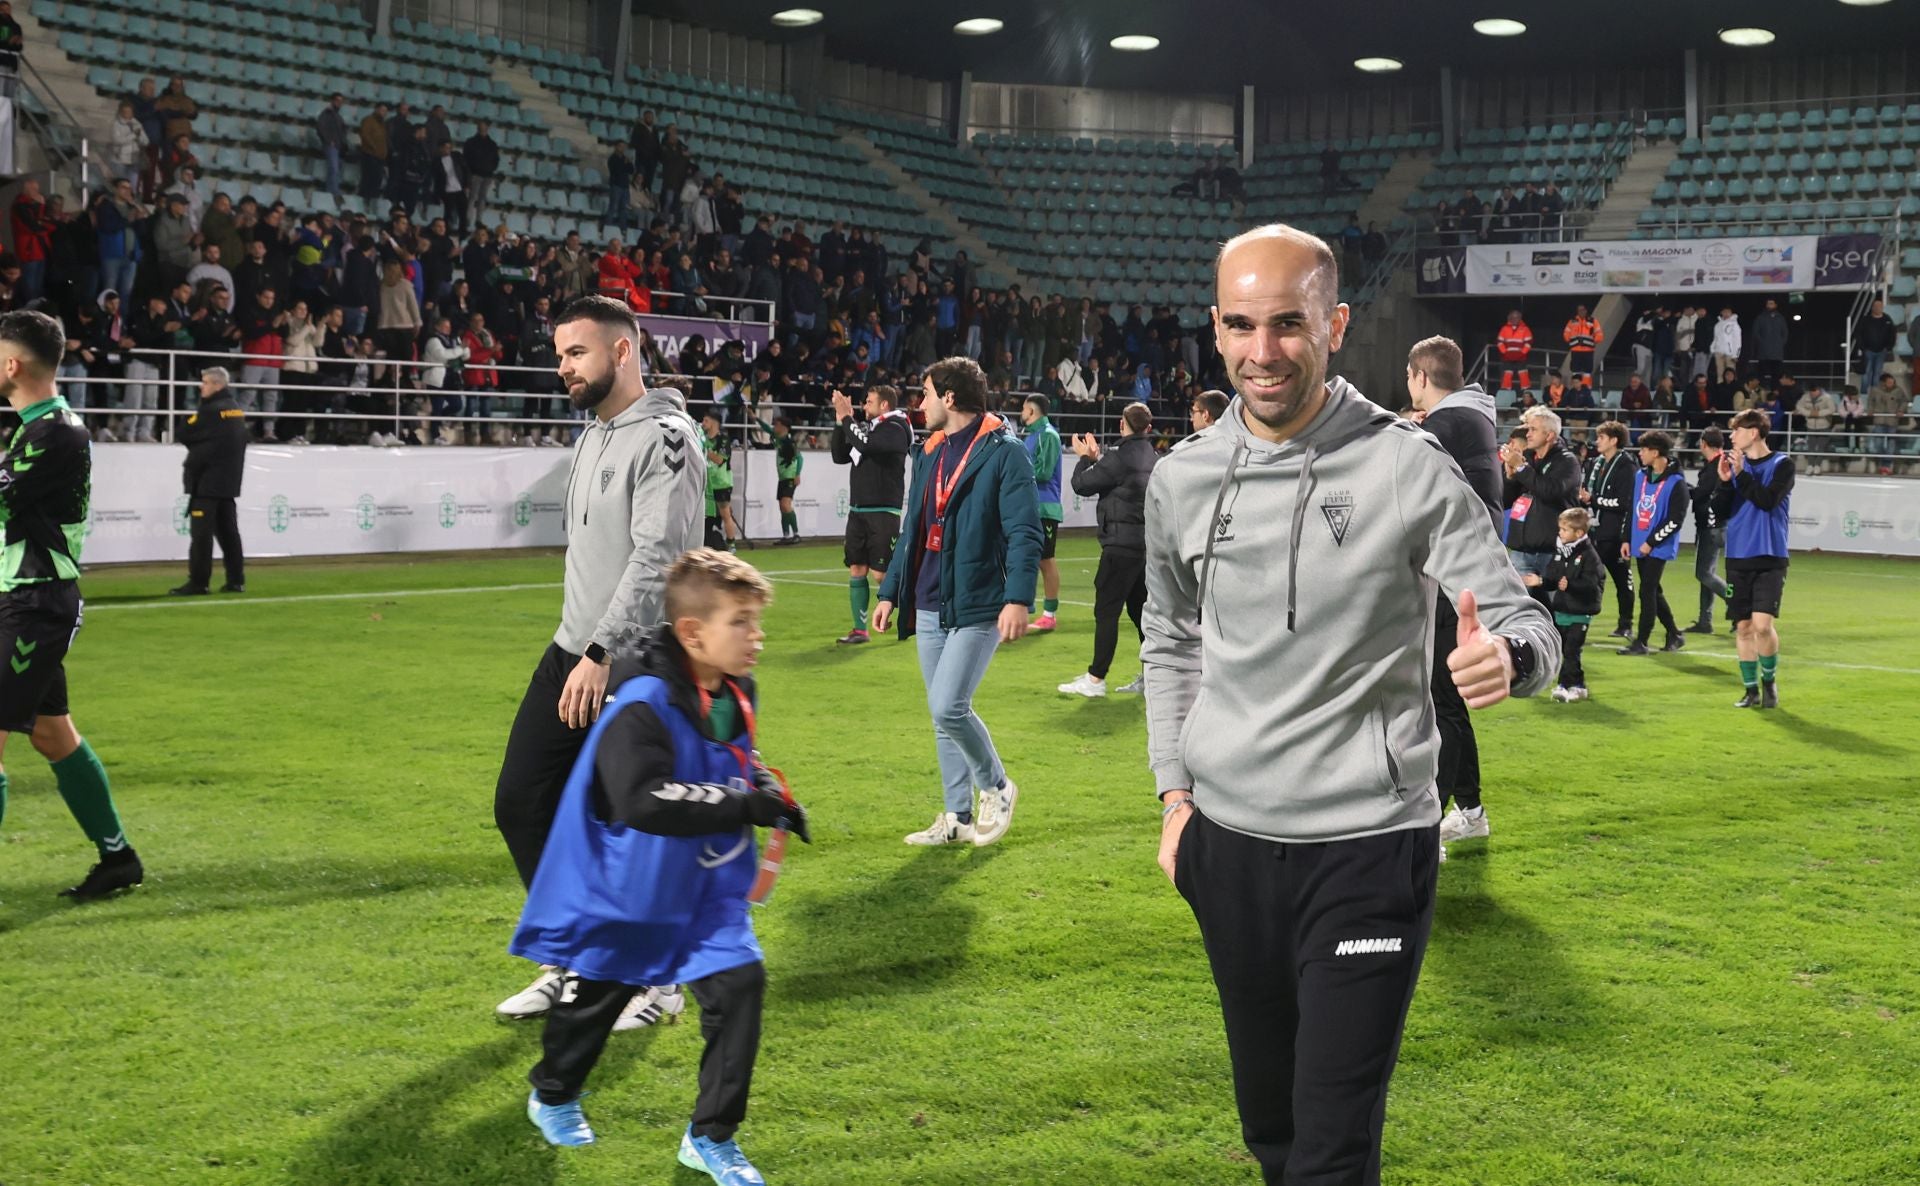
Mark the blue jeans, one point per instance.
(333, 170)
(353, 322)
(953, 662)
(1871, 362)
(1530, 562)
(33, 280)
(617, 205)
(116, 274)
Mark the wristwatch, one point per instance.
(598, 654)
(1524, 659)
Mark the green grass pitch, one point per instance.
(1686, 955)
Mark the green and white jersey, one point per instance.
(46, 486)
(786, 458)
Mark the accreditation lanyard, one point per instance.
(774, 854)
(943, 486)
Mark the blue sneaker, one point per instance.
(720, 1159)
(561, 1124)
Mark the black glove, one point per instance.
(767, 807)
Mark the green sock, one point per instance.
(1769, 664)
(83, 784)
(857, 598)
(1749, 672)
(789, 522)
(1053, 603)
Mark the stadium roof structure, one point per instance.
(1218, 45)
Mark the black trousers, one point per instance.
(1653, 602)
(1120, 582)
(373, 175)
(1620, 572)
(540, 753)
(210, 519)
(1315, 949)
(1459, 775)
(730, 1007)
(1572, 638)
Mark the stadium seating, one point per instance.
(1583, 159)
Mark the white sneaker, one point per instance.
(1563, 695)
(105, 436)
(995, 814)
(650, 1006)
(945, 829)
(1086, 686)
(1139, 684)
(536, 998)
(1464, 825)
(298, 440)
(1579, 693)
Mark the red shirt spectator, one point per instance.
(32, 229)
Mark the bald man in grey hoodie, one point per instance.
(636, 492)
(1294, 552)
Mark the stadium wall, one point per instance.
(321, 500)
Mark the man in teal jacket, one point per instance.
(1043, 450)
(962, 575)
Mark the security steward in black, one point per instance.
(216, 440)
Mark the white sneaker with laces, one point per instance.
(1139, 684)
(1464, 825)
(646, 1008)
(536, 998)
(995, 814)
(1086, 686)
(1579, 693)
(1563, 695)
(945, 829)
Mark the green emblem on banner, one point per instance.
(523, 510)
(1850, 524)
(449, 510)
(363, 513)
(840, 504)
(182, 519)
(279, 513)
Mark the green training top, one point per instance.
(719, 473)
(46, 489)
(787, 459)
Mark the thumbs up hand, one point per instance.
(1482, 669)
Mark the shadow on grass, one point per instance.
(901, 934)
(390, 1141)
(1827, 735)
(249, 886)
(1517, 987)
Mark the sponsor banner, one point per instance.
(1871, 516)
(321, 500)
(1796, 262)
(1846, 261)
(671, 333)
(1442, 271)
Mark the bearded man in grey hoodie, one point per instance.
(636, 493)
(1294, 553)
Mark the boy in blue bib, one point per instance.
(647, 871)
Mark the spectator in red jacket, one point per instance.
(624, 280)
(1515, 345)
(33, 229)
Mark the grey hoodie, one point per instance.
(636, 493)
(1290, 605)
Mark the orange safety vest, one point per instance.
(1583, 334)
(1516, 342)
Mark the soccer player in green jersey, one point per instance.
(1043, 451)
(722, 530)
(46, 478)
(787, 463)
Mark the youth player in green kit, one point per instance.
(1043, 450)
(46, 479)
(787, 463)
(722, 532)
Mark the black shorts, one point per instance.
(722, 498)
(783, 488)
(1755, 591)
(870, 539)
(37, 625)
(1049, 537)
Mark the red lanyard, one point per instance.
(943, 486)
(774, 853)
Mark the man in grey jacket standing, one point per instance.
(1294, 551)
(636, 490)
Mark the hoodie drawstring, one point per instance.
(1299, 524)
(1213, 532)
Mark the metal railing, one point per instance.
(1886, 446)
(733, 304)
(56, 128)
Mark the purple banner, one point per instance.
(1443, 271)
(671, 333)
(1846, 261)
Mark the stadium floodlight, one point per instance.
(1746, 36)
(1863, 3)
(1135, 43)
(979, 26)
(1377, 65)
(798, 18)
(1499, 26)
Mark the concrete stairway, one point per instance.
(984, 257)
(1389, 198)
(1631, 192)
(560, 122)
(65, 85)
